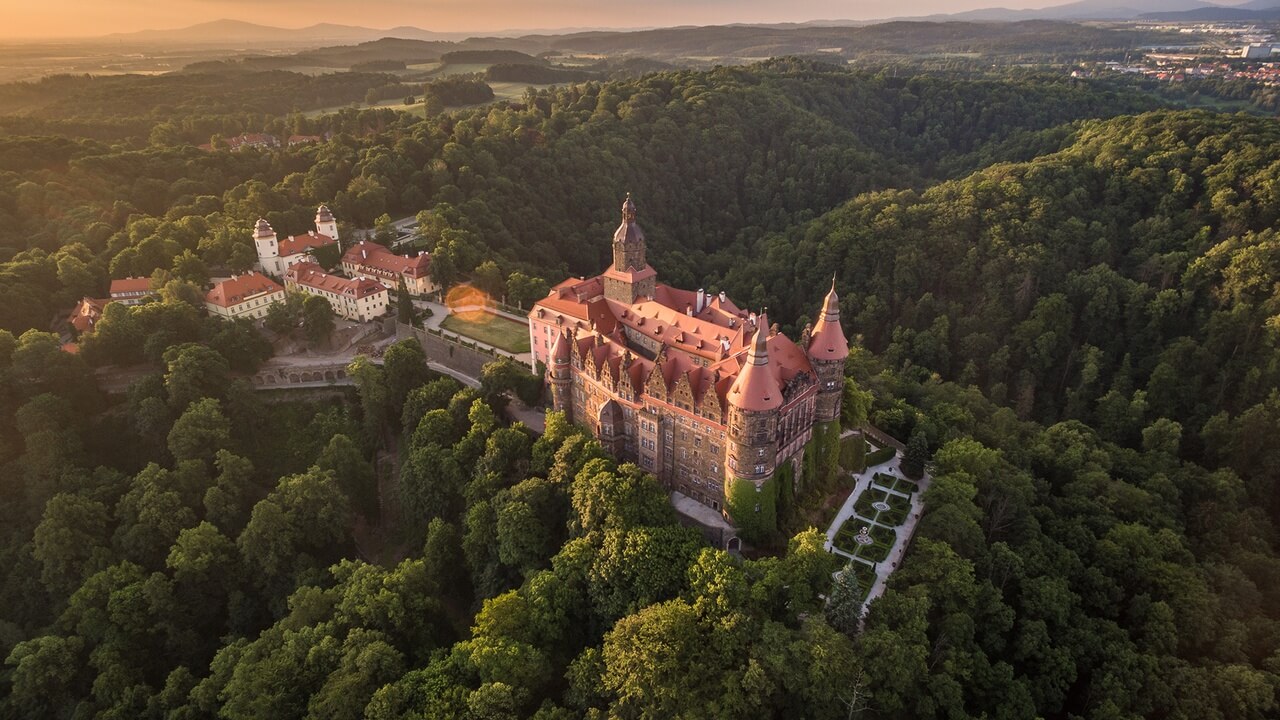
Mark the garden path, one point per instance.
(865, 480)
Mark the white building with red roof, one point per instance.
(130, 290)
(359, 299)
(707, 396)
(375, 262)
(276, 255)
(246, 296)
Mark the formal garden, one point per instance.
(871, 531)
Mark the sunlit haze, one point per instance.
(82, 18)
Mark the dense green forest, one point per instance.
(1070, 295)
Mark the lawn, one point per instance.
(491, 329)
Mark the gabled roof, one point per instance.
(298, 244)
(130, 285)
(229, 293)
(86, 313)
(375, 257)
(312, 276)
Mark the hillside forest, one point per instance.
(1067, 291)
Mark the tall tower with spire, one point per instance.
(754, 400)
(560, 374)
(630, 277)
(828, 349)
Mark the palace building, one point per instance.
(691, 387)
(276, 255)
(248, 296)
(358, 299)
(375, 262)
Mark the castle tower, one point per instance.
(754, 400)
(325, 224)
(828, 350)
(264, 239)
(560, 375)
(630, 277)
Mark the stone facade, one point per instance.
(685, 384)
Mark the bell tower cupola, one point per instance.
(630, 277)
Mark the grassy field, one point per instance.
(491, 329)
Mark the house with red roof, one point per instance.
(709, 397)
(130, 290)
(359, 299)
(373, 261)
(246, 296)
(86, 314)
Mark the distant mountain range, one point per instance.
(239, 33)
(221, 32)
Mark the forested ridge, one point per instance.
(1077, 316)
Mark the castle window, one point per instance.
(757, 507)
(759, 469)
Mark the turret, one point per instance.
(754, 400)
(325, 224)
(265, 241)
(828, 349)
(630, 277)
(560, 374)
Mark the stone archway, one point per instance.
(734, 544)
(293, 377)
(329, 376)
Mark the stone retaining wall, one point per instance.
(450, 353)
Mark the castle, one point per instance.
(699, 392)
(275, 256)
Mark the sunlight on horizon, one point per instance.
(55, 19)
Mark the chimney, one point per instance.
(722, 297)
(702, 300)
(688, 310)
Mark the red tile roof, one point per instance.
(304, 243)
(132, 286)
(756, 388)
(238, 289)
(378, 260)
(828, 341)
(86, 313)
(311, 275)
(720, 336)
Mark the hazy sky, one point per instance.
(67, 18)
